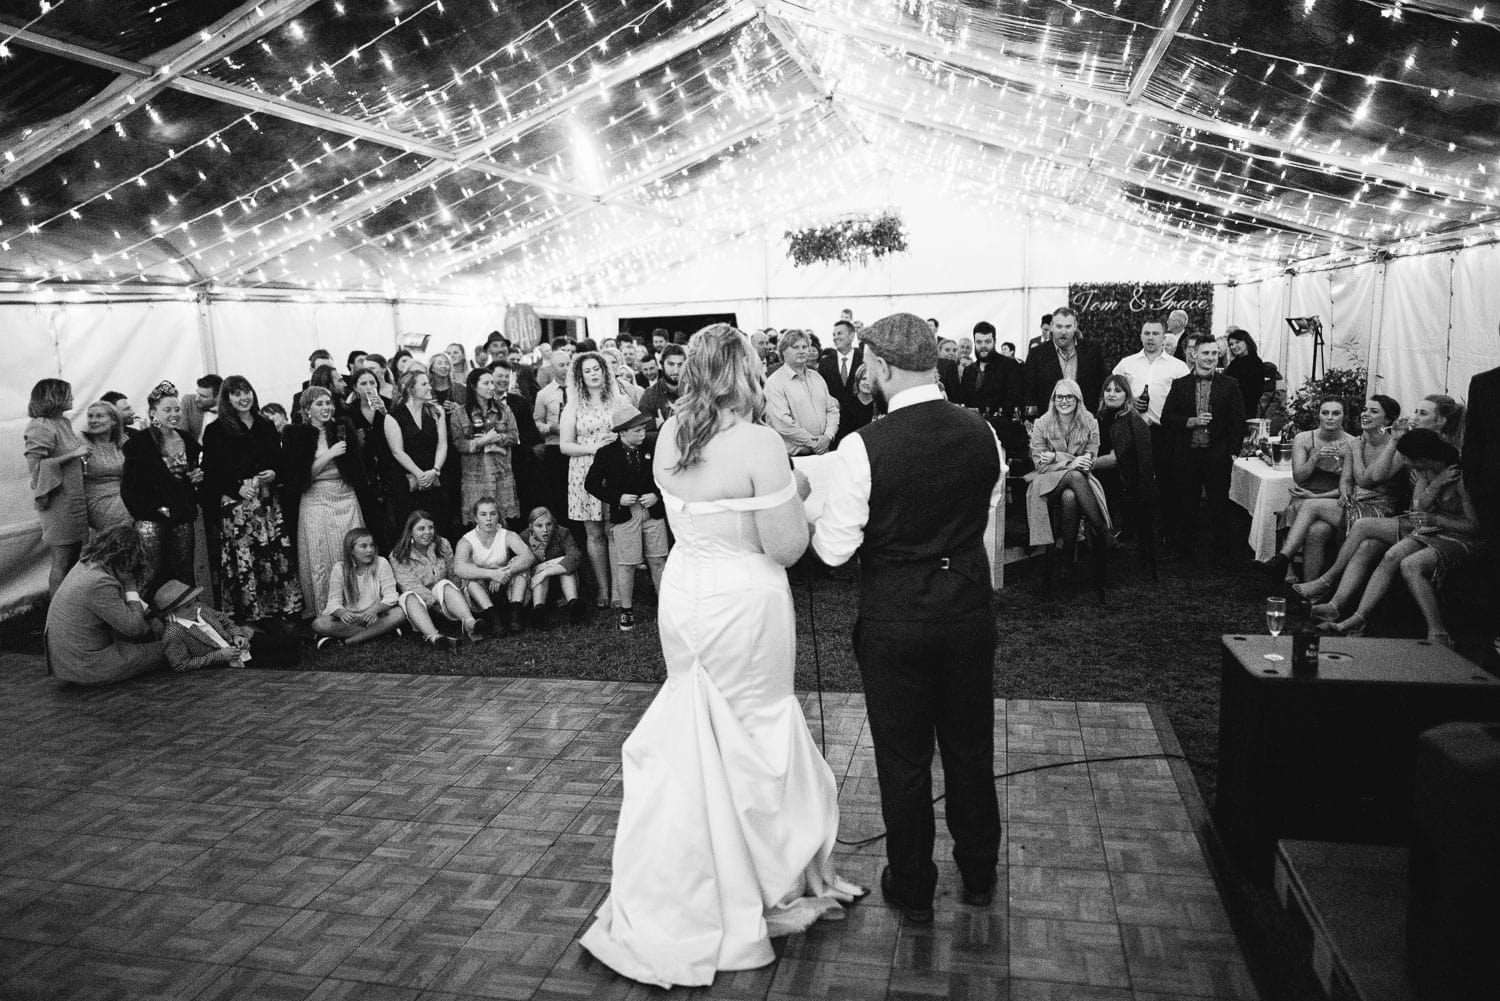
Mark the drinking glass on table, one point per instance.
(1275, 622)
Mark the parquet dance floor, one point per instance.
(257, 834)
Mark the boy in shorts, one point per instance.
(621, 477)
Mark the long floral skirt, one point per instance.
(259, 575)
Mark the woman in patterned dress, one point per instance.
(159, 487)
(584, 428)
(483, 431)
(322, 475)
(241, 456)
(103, 467)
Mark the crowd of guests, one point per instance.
(460, 495)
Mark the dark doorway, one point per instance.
(679, 327)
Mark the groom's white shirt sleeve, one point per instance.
(840, 530)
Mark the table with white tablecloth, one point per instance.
(1264, 491)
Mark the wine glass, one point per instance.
(1275, 621)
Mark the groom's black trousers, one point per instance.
(923, 678)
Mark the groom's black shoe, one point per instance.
(916, 915)
(975, 897)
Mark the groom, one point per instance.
(911, 493)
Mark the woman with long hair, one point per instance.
(322, 474)
(362, 602)
(446, 388)
(1322, 483)
(159, 486)
(1246, 368)
(730, 814)
(483, 432)
(55, 458)
(459, 362)
(423, 564)
(366, 411)
(241, 460)
(1126, 464)
(104, 430)
(1064, 443)
(416, 438)
(97, 632)
(584, 429)
(1439, 532)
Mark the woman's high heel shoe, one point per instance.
(1354, 625)
(1314, 590)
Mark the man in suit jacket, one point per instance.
(1481, 465)
(911, 493)
(993, 382)
(839, 365)
(1204, 415)
(1065, 357)
(195, 637)
(621, 477)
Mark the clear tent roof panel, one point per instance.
(131, 29)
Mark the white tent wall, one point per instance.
(965, 263)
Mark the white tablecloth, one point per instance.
(1265, 493)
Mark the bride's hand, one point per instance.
(804, 485)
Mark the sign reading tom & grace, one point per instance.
(1112, 312)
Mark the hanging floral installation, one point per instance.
(853, 240)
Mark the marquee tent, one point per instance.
(223, 186)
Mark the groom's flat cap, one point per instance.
(903, 340)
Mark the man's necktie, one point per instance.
(843, 368)
(979, 376)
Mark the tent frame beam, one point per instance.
(925, 47)
(126, 92)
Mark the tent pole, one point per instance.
(206, 344)
(1025, 339)
(765, 276)
(396, 322)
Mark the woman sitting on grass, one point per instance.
(422, 561)
(362, 599)
(557, 558)
(492, 562)
(1423, 545)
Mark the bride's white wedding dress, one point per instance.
(730, 813)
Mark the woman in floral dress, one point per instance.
(584, 429)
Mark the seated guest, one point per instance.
(1322, 483)
(195, 637)
(1439, 532)
(1438, 413)
(362, 599)
(97, 632)
(1064, 442)
(621, 477)
(557, 557)
(422, 561)
(1126, 464)
(1373, 497)
(103, 467)
(492, 563)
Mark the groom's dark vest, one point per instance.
(932, 468)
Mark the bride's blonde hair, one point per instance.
(723, 375)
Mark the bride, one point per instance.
(730, 813)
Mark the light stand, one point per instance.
(1302, 326)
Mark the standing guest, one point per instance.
(103, 467)
(586, 421)
(1065, 356)
(556, 558)
(1481, 462)
(861, 408)
(459, 363)
(445, 388)
(159, 487)
(799, 404)
(484, 432)
(621, 477)
(422, 561)
(362, 600)
(354, 364)
(416, 438)
(658, 401)
(1151, 372)
(121, 402)
(659, 341)
(200, 408)
(276, 414)
(492, 564)
(401, 362)
(55, 457)
(318, 359)
(1041, 338)
(992, 383)
(1322, 483)
(965, 352)
(523, 378)
(1008, 350)
(838, 364)
(331, 379)
(646, 372)
(911, 494)
(547, 413)
(195, 638)
(1179, 336)
(1205, 415)
(1064, 443)
(1126, 465)
(1246, 368)
(97, 631)
(241, 456)
(623, 376)
(323, 475)
(526, 453)
(367, 412)
(377, 364)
